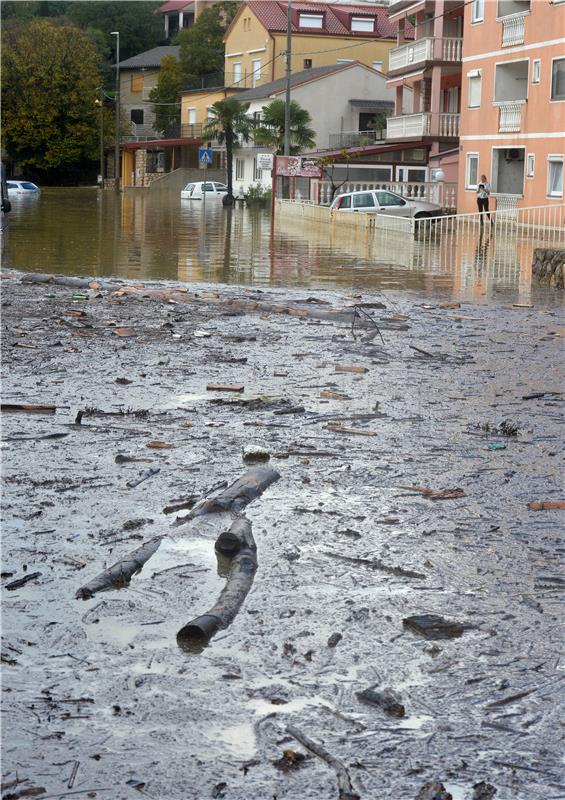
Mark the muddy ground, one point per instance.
(99, 700)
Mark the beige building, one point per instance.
(322, 34)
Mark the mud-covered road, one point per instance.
(364, 530)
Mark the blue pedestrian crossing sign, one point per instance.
(204, 155)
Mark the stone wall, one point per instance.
(548, 266)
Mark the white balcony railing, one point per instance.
(410, 126)
(510, 116)
(449, 125)
(445, 194)
(513, 28)
(422, 50)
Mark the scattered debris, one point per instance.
(351, 368)
(483, 791)
(343, 429)
(254, 453)
(386, 700)
(156, 445)
(439, 494)
(22, 581)
(123, 331)
(334, 639)
(434, 791)
(30, 408)
(541, 505)
(225, 387)
(432, 626)
(143, 477)
(289, 760)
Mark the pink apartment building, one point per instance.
(513, 102)
(426, 74)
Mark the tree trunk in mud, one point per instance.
(238, 539)
(119, 574)
(238, 495)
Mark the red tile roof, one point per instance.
(337, 18)
(174, 5)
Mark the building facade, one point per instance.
(513, 102)
(322, 34)
(358, 93)
(430, 66)
(138, 76)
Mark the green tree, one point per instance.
(202, 46)
(50, 80)
(229, 121)
(166, 96)
(270, 130)
(140, 28)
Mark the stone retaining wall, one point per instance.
(548, 266)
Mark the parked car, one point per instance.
(195, 191)
(21, 187)
(381, 201)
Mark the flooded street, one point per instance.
(405, 615)
(157, 236)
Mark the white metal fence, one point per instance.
(475, 250)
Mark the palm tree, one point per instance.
(228, 121)
(270, 130)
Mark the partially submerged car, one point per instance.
(196, 191)
(382, 201)
(16, 188)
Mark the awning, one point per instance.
(400, 79)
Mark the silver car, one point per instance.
(381, 201)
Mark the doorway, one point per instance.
(411, 174)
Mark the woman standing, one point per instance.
(483, 192)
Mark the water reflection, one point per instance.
(141, 235)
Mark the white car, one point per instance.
(195, 191)
(381, 201)
(21, 187)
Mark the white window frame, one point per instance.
(475, 74)
(471, 187)
(505, 147)
(311, 21)
(477, 8)
(536, 70)
(380, 67)
(255, 71)
(240, 169)
(236, 71)
(554, 159)
(257, 172)
(210, 113)
(192, 116)
(497, 64)
(530, 165)
(557, 99)
(364, 24)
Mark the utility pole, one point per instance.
(288, 70)
(101, 137)
(117, 140)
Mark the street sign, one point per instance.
(265, 160)
(205, 155)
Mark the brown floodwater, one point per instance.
(144, 235)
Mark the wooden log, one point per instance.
(239, 582)
(238, 495)
(345, 788)
(119, 574)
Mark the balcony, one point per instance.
(513, 29)
(356, 138)
(417, 126)
(510, 116)
(419, 52)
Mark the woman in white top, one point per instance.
(483, 192)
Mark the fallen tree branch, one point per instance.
(346, 790)
(239, 543)
(119, 574)
(237, 496)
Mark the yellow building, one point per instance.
(322, 34)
